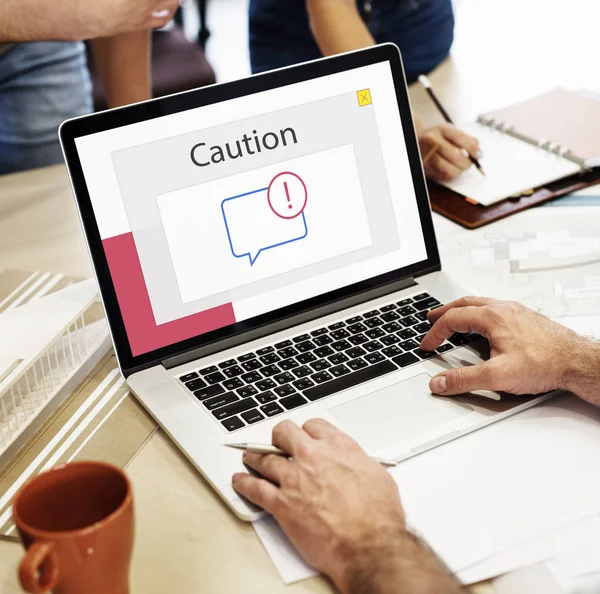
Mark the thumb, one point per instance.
(462, 379)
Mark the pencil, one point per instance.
(425, 82)
(257, 448)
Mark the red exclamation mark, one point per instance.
(287, 195)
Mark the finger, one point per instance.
(454, 155)
(465, 379)
(288, 436)
(259, 491)
(464, 319)
(470, 300)
(460, 138)
(442, 169)
(272, 467)
(321, 429)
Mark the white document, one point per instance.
(496, 488)
(511, 167)
(576, 546)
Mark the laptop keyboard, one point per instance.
(280, 377)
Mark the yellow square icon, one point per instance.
(364, 97)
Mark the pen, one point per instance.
(427, 86)
(257, 448)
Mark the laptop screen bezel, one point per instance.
(156, 108)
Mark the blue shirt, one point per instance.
(423, 30)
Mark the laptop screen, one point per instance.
(216, 215)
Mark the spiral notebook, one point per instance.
(531, 144)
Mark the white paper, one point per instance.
(511, 167)
(285, 557)
(576, 545)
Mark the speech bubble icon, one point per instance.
(252, 226)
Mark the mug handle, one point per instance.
(35, 578)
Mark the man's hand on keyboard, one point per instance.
(342, 511)
(529, 353)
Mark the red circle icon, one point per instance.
(287, 195)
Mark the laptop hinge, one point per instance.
(295, 320)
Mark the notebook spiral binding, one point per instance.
(544, 144)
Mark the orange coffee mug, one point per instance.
(76, 522)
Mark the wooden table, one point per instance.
(187, 541)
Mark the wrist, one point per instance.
(582, 375)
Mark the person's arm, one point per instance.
(123, 62)
(76, 20)
(343, 512)
(530, 354)
(338, 27)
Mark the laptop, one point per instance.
(265, 251)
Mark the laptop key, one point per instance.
(458, 339)
(284, 390)
(302, 371)
(392, 327)
(188, 377)
(390, 339)
(284, 344)
(265, 350)
(306, 358)
(356, 364)
(350, 380)
(389, 307)
(354, 320)
(284, 378)
(289, 364)
(233, 371)
(270, 370)
(270, 358)
(390, 316)
(372, 346)
(208, 370)
(246, 357)
(408, 345)
(227, 363)
(319, 332)
(266, 397)
(374, 358)
(341, 345)
(265, 384)
(251, 365)
(252, 416)
(320, 364)
(214, 378)
(339, 370)
(339, 334)
(247, 391)
(423, 327)
(323, 340)
(391, 351)
(235, 408)
(305, 346)
(338, 358)
(358, 339)
(221, 400)
(233, 423)
(421, 296)
(355, 352)
(375, 333)
(374, 322)
(406, 334)
(408, 321)
(336, 326)
(301, 338)
(425, 354)
(195, 384)
(405, 359)
(233, 383)
(251, 377)
(407, 310)
(271, 409)
(322, 376)
(421, 315)
(445, 347)
(371, 314)
(209, 392)
(404, 302)
(324, 351)
(426, 304)
(356, 328)
(288, 352)
(304, 383)
(290, 402)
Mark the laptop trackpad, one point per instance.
(397, 412)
